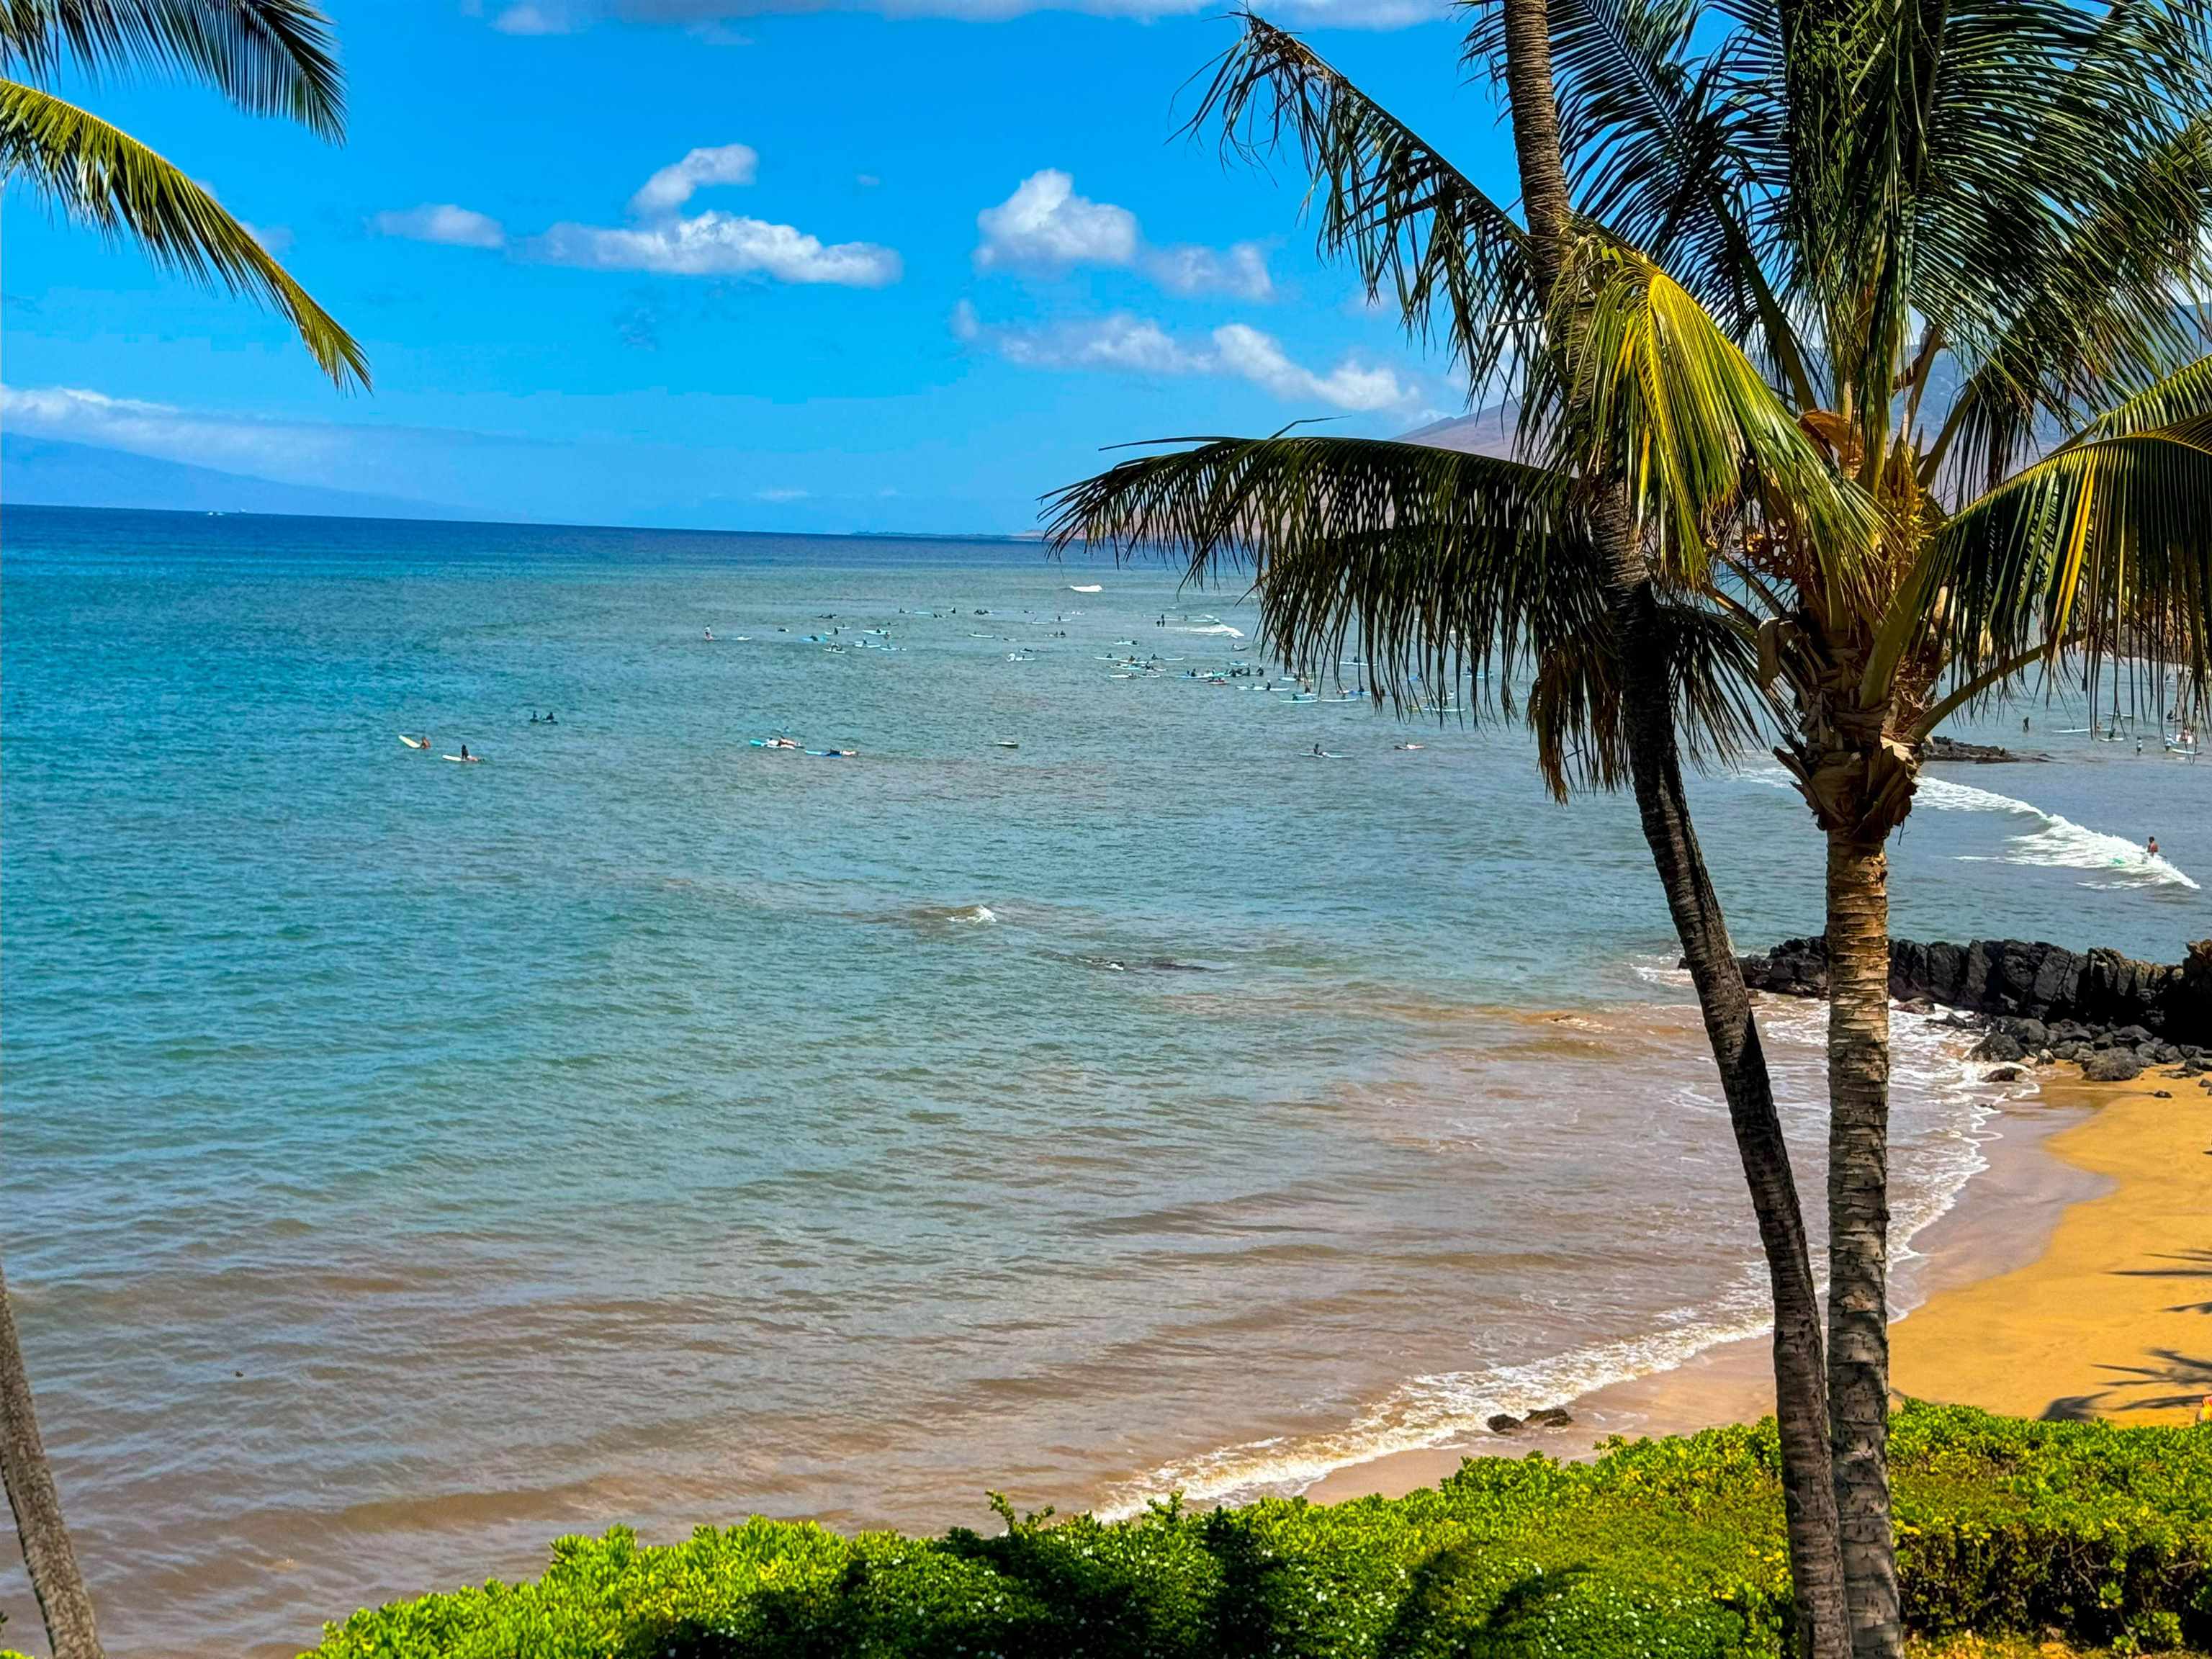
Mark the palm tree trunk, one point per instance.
(1858, 1232)
(1810, 1495)
(47, 1553)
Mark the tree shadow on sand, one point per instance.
(2188, 1376)
(2187, 1264)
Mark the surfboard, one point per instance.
(467, 760)
(413, 743)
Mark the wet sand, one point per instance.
(2067, 1281)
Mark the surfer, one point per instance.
(465, 753)
(710, 633)
(2150, 847)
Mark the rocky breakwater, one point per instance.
(2111, 1014)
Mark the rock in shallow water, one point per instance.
(1504, 1423)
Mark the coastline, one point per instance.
(2050, 1287)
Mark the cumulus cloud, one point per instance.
(713, 243)
(442, 222)
(721, 245)
(564, 17)
(1044, 223)
(1044, 226)
(672, 187)
(1127, 343)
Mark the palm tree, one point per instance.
(1824, 276)
(1452, 566)
(270, 57)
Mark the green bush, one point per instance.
(1661, 1549)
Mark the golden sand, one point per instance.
(2073, 1279)
(2114, 1319)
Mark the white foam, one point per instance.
(976, 916)
(2056, 842)
(1928, 1057)
(1216, 628)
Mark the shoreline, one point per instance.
(2041, 1281)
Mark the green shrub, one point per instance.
(1665, 1549)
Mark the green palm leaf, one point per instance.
(99, 176)
(1649, 389)
(1663, 147)
(1438, 570)
(1413, 224)
(269, 57)
(2104, 540)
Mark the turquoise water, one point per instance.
(408, 1162)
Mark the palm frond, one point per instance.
(1661, 141)
(1441, 571)
(268, 56)
(2103, 541)
(1574, 706)
(1414, 226)
(1648, 388)
(2102, 318)
(97, 175)
(1438, 568)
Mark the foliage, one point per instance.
(1671, 1548)
(267, 56)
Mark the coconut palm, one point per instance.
(1810, 283)
(270, 57)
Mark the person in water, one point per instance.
(2151, 847)
(465, 753)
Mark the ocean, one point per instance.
(406, 1163)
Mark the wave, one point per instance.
(1438, 1410)
(2056, 842)
(966, 916)
(1213, 628)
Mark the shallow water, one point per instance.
(407, 1162)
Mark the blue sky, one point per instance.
(683, 262)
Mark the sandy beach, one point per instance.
(2067, 1281)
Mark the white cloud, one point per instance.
(1260, 358)
(672, 187)
(550, 17)
(78, 416)
(564, 17)
(442, 222)
(1240, 269)
(721, 245)
(781, 494)
(1044, 226)
(1127, 343)
(714, 243)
